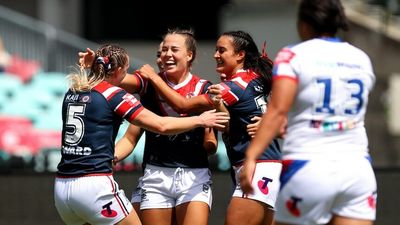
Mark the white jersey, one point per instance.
(334, 79)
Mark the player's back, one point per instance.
(334, 81)
(90, 124)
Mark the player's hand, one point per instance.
(282, 130)
(253, 127)
(222, 77)
(86, 58)
(211, 118)
(147, 72)
(246, 176)
(214, 92)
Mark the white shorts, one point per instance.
(90, 199)
(163, 187)
(312, 191)
(137, 193)
(265, 182)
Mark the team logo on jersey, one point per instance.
(258, 88)
(263, 185)
(372, 200)
(130, 99)
(292, 206)
(85, 98)
(284, 56)
(107, 211)
(206, 188)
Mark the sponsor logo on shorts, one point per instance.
(107, 211)
(263, 185)
(144, 195)
(137, 191)
(292, 206)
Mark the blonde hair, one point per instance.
(107, 59)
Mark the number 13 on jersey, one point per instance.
(340, 97)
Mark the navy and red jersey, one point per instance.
(90, 125)
(244, 96)
(181, 150)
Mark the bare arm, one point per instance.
(174, 125)
(179, 103)
(210, 141)
(127, 143)
(131, 83)
(284, 92)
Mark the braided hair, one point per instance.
(107, 59)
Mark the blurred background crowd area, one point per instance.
(40, 39)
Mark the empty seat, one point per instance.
(9, 85)
(17, 136)
(54, 82)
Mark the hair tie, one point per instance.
(105, 61)
(263, 51)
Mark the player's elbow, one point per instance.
(161, 129)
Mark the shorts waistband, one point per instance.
(83, 175)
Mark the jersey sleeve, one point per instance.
(204, 91)
(126, 105)
(230, 93)
(283, 65)
(141, 83)
(121, 102)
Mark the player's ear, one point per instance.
(189, 56)
(241, 55)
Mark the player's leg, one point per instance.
(131, 219)
(192, 213)
(157, 216)
(136, 207)
(338, 220)
(248, 211)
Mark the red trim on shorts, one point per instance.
(117, 198)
